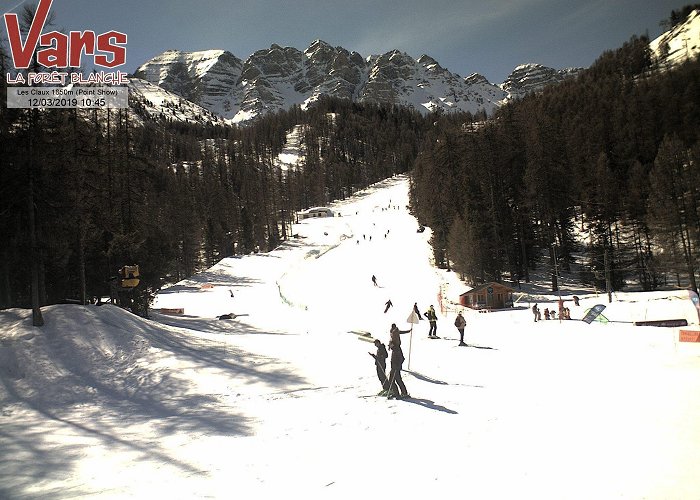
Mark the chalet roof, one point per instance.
(484, 286)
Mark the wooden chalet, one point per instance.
(488, 296)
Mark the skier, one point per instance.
(397, 389)
(374, 280)
(394, 333)
(432, 318)
(388, 305)
(380, 363)
(415, 310)
(460, 323)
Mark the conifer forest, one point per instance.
(613, 154)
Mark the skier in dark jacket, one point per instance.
(396, 386)
(432, 319)
(380, 363)
(388, 305)
(460, 323)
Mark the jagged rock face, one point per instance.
(279, 77)
(208, 78)
(331, 71)
(528, 78)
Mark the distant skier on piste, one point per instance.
(416, 310)
(388, 305)
(397, 389)
(432, 318)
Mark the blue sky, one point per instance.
(469, 36)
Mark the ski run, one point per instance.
(280, 399)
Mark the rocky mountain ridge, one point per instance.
(279, 77)
(276, 78)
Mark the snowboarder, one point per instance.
(460, 323)
(380, 363)
(432, 319)
(415, 310)
(536, 312)
(397, 389)
(388, 305)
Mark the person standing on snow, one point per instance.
(432, 319)
(460, 323)
(416, 310)
(380, 363)
(536, 312)
(396, 386)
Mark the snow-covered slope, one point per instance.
(208, 78)
(155, 103)
(680, 43)
(279, 401)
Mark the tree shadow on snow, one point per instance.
(431, 405)
(103, 389)
(425, 378)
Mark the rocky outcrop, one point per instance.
(528, 78)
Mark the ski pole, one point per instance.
(410, 342)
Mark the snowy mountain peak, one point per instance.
(279, 77)
(430, 64)
(316, 46)
(476, 79)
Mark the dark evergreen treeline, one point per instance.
(84, 192)
(615, 152)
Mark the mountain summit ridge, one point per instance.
(279, 77)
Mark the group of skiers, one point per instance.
(393, 385)
(431, 316)
(564, 312)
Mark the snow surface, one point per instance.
(683, 41)
(281, 400)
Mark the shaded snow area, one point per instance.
(282, 398)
